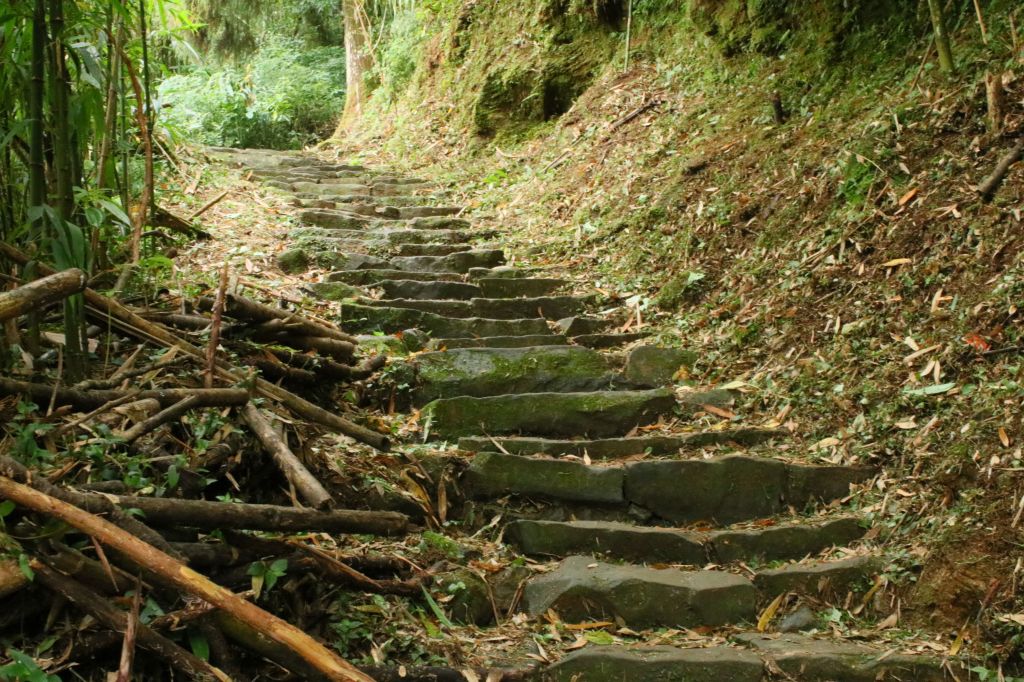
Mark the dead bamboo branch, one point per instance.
(243, 308)
(308, 487)
(40, 293)
(90, 400)
(183, 578)
(166, 415)
(208, 205)
(215, 322)
(990, 186)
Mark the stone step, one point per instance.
(437, 223)
(483, 372)
(550, 307)
(366, 319)
(502, 272)
(599, 413)
(503, 287)
(457, 262)
(342, 201)
(612, 448)
(577, 326)
(334, 219)
(429, 290)
(600, 341)
(375, 276)
(581, 589)
(413, 212)
(721, 490)
(433, 249)
(400, 236)
(497, 342)
(826, 579)
(753, 658)
(670, 545)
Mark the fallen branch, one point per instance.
(90, 400)
(183, 578)
(104, 611)
(307, 486)
(209, 204)
(990, 186)
(40, 293)
(242, 308)
(166, 415)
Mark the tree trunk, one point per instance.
(358, 60)
(941, 36)
(40, 293)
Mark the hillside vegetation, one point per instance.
(788, 192)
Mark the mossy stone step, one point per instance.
(611, 448)
(597, 414)
(404, 236)
(366, 319)
(433, 249)
(669, 545)
(334, 219)
(460, 262)
(734, 487)
(578, 326)
(318, 189)
(497, 342)
(751, 659)
(503, 272)
(412, 212)
(655, 664)
(581, 589)
(438, 223)
(373, 276)
(429, 290)
(497, 371)
(503, 287)
(550, 307)
(492, 475)
(600, 341)
(827, 579)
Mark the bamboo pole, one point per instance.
(41, 293)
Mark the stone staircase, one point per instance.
(578, 437)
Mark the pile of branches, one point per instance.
(82, 549)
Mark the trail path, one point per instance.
(580, 441)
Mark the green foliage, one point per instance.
(266, 575)
(289, 95)
(23, 668)
(399, 54)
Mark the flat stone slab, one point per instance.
(498, 342)
(397, 237)
(359, 318)
(325, 217)
(576, 326)
(822, 660)
(655, 664)
(429, 290)
(599, 413)
(493, 475)
(611, 448)
(378, 275)
(498, 371)
(457, 262)
(502, 271)
(733, 488)
(581, 588)
(652, 366)
(607, 340)
(826, 578)
(669, 545)
(494, 308)
(411, 212)
(432, 249)
(439, 223)
(505, 287)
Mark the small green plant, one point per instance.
(440, 543)
(266, 575)
(23, 668)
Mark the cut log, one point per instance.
(12, 578)
(105, 612)
(40, 293)
(110, 311)
(90, 400)
(187, 580)
(306, 484)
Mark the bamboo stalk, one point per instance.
(183, 578)
(41, 292)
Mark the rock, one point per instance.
(334, 291)
(609, 448)
(456, 262)
(498, 342)
(357, 261)
(655, 664)
(414, 340)
(580, 589)
(325, 217)
(600, 413)
(293, 261)
(819, 660)
(359, 318)
(439, 223)
(434, 290)
(618, 540)
(827, 578)
(495, 371)
(501, 271)
(411, 212)
(471, 601)
(607, 340)
(432, 249)
(652, 366)
(801, 619)
(788, 541)
(575, 326)
(505, 287)
(381, 343)
(492, 475)
(726, 489)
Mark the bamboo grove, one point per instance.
(77, 142)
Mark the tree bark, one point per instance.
(307, 486)
(358, 61)
(41, 293)
(187, 580)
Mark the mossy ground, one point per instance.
(845, 269)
